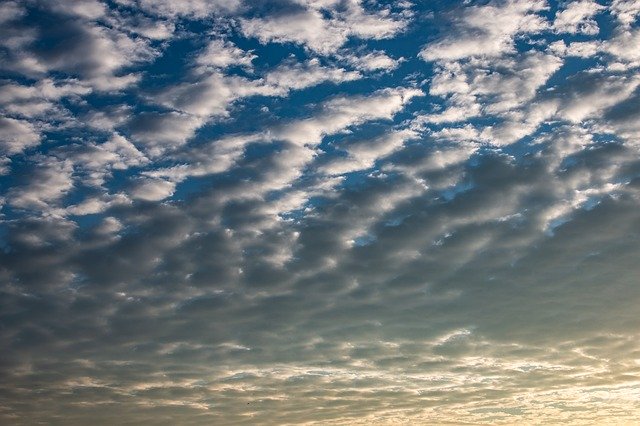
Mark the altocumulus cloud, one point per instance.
(319, 212)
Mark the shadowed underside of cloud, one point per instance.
(319, 212)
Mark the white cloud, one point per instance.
(44, 187)
(38, 99)
(296, 76)
(364, 153)
(622, 121)
(487, 30)
(11, 11)
(588, 96)
(210, 95)
(188, 8)
(88, 9)
(109, 225)
(626, 11)
(223, 54)
(519, 124)
(489, 87)
(585, 96)
(335, 116)
(524, 75)
(342, 112)
(577, 18)
(623, 48)
(5, 168)
(619, 50)
(144, 26)
(581, 49)
(94, 205)
(372, 61)
(107, 118)
(97, 161)
(151, 189)
(17, 135)
(158, 133)
(307, 25)
(81, 48)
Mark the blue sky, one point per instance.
(319, 212)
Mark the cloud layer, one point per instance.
(319, 212)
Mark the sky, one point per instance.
(319, 212)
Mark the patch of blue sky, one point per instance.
(300, 103)
(5, 246)
(567, 163)
(364, 240)
(591, 203)
(556, 223)
(454, 191)
(87, 222)
(607, 23)
(587, 205)
(606, 138)
(425, 103)
(341, 141)
(571, 67)
(268, 55)
(395, 221)
(526, 146)
(169, 67)
(312, 205)
(356, 180)
(194, 186)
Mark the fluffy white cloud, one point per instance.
(587, 95)
(79, 46)
(10, 11)
(223, 54)
(211, 94)
(342, 112)
(373, 61)
(488, 87)
(335, 116)
(295, 76)
(622, 48)
(187, 8)
(305, 24)
(151, 189)
(48, 181)
(582, 49)
(577, 17)
(159, 132)
(38, 99)
(94, 206)
(17, 135)
(96, 162)
(5, 168)
(626, 11)
(487, 30)
(363, 154)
